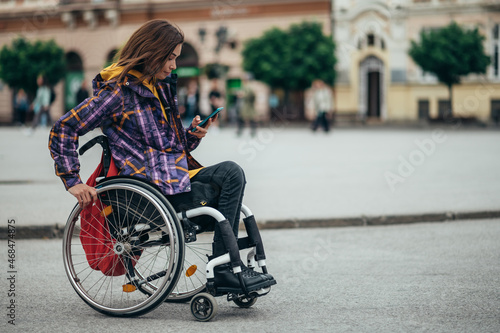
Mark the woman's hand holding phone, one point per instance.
(199, 131)
(200, 128)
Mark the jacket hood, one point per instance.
(113, 71)
(106, 76)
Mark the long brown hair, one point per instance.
(149, 47)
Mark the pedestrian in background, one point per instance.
(41, 103)
(273, 101)
(247, 112)
(82, 93)
(323, 104)
(21, 106)
(191, 101)
(215, 99)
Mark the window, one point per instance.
(371, 39)
(495, 110)
(423, 109)
(398, 75)
(342, 76)
(444, 109)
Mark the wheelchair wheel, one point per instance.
(143, 249)
(193, 278)
(204, 307)
(245, 302)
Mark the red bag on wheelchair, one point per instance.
(97, 238)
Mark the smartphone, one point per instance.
(206, 119)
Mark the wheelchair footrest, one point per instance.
(259, 289)
(255, 293)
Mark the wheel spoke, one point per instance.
(132, 204)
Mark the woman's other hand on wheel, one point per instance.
(84, 194)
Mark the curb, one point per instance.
(57, 231)
(33, 232)
(377, 220)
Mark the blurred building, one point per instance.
(91, 31)
(376, 78)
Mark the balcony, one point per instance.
(20, 8)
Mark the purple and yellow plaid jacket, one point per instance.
(143, 143)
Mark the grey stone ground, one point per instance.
(441, 277)
(425, 277)
(299, 178)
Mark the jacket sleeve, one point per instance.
(63, 140)
(192, 140)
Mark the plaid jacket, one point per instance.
(143, 143)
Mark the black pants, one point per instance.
(230, 178)
(321, 119)
(38, 117)
(241, 126)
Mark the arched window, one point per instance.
(187, 63)
(73, 62)
(371, 40)
(73, 80)
(188, 57)
(188, 72)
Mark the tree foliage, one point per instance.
(24, 61)
(450, 53)
(215, 70)
(291, 59)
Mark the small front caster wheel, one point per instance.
(204, 307)
(245, 302)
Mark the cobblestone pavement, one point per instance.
(296, 175)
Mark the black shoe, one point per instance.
(227, 281)
(268, 276)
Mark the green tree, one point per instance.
(24, 61)
(291, 59)
(449, 53)
(215, 70)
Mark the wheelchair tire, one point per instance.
(245, 302)
(204, 307)
(142, 222)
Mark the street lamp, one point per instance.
(221, 35)
(202, 32)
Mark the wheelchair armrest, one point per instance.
(106, 152)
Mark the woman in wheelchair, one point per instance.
(134, 102)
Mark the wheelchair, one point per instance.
(164, 256)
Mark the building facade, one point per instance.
(376, 79)
(91, 31)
